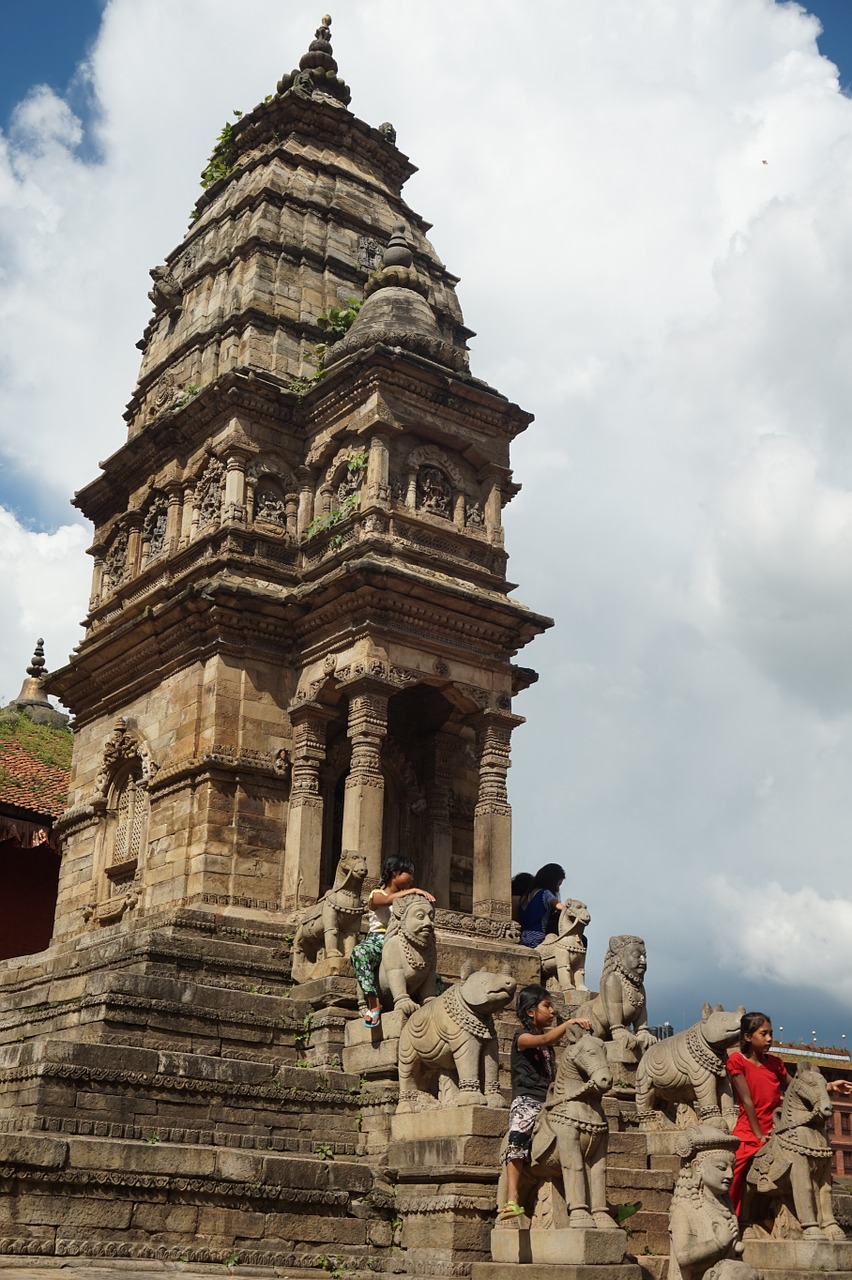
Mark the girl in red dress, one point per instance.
(759, 1079)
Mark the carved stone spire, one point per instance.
(32, 693)
(317, 69)
(396, 312)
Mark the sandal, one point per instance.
(372, 1017)
(511, 1209)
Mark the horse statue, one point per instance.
(569, 1141)
(563, 954)
(796, 1161)
(331, 925)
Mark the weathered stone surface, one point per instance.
(802, 1256)
(564, 1246)
(557, 1271)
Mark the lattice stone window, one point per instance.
(129, 826)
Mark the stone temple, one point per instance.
(300, 640)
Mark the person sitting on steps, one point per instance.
(397, 882)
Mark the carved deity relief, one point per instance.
(702, 1225)
(474, 516)
(434, 492)
(209, 493)
(115, 561)
(269, 503)
(154, 527)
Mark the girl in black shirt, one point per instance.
(533, 1069)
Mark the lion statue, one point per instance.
(409, 956)
(563, 954)
(619, 1013)
(448, 1052)
(331, 925)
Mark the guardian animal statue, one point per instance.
(689, 1068)
(563, 955)
(702, 1224)
(796, 1161)
(332, 925)
(448, 1048)
(569, 1141)
(619, 1012)
(409, 956)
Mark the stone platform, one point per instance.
(559, 1247)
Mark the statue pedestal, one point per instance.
(796, 1258)
(448, 1137)
(558, 1271)
(557, 1246)
(373, 1052)
(329, 1007)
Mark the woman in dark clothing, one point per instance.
(537, 906)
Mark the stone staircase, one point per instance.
(164, 1097)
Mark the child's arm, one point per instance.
(384, 897)
(553, 1034)
(744, 1095)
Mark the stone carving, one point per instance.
(569, 1143)
(332, 924)
(689, 1067)
(434, 492)
(154, 527)
(269, 505)
(563, 954)
(209, 493)
(619, 1012)
(796, 1161)
(474, 516)
(409, 955)
(448, 1051)
(122, 746)
(388, 132)
(702, 1223)
(167, 291)
(115, 561)
(370, 253)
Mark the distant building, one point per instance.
(35, 757)
(835, 1064)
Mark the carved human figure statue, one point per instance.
(702, 1224)
(619, 1012)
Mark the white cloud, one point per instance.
(673, 309)
(794, 938)
(44, 584)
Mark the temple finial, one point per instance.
(397, 269)
(32, 694)
(317, 70)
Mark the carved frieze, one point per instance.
(115, 561)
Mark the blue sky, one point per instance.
(670, 299)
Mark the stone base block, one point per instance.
(557, 1271)
(373, 1052)
(558, 1246)
(804, 1256)
(450, 1122)
(448, 1136)
(326, 991)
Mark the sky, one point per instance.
(648, 203)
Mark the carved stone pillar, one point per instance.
(493, 500)
(363, 801)
(187, 514)
(291, 508)
(306, 500)
(97, 576)
(436, 874)
(133, 524)
(376, 486)
(235, 487)
(492, 818)
(303, 843)
(458, 510)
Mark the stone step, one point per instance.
(90, 1197)
(132, 1093)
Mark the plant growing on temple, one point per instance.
(223, 157)
(337, 321)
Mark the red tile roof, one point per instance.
(30, 783)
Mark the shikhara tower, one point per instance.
(300, 636)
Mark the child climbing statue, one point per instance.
(533, 1066)
(397, 882)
